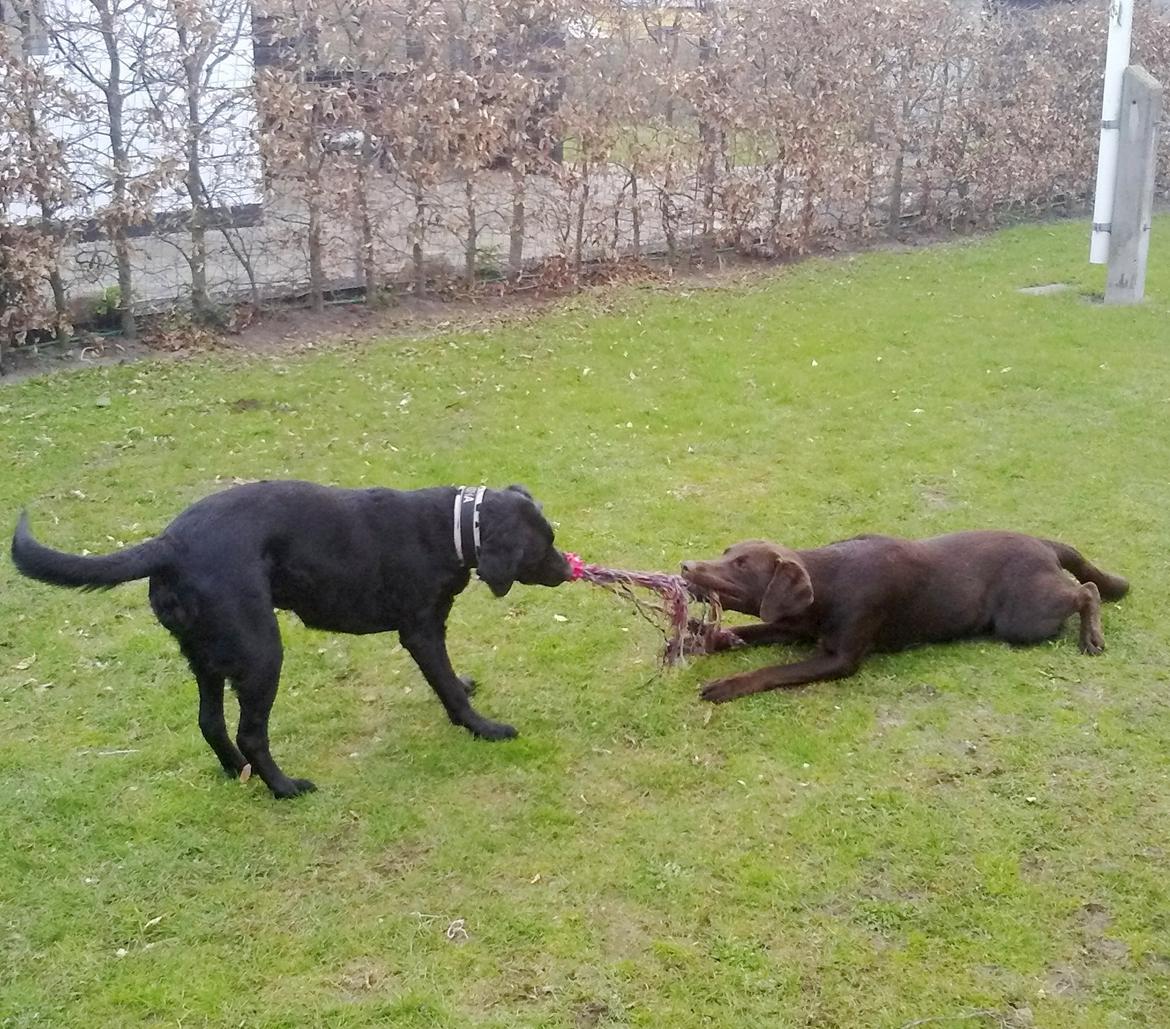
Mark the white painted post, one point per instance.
(1133, 199)
(1116, 60)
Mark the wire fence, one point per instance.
(203, 153)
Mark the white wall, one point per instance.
(155, 111)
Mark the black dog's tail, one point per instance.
(1112, 587)
(89, 573)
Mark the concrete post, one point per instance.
(1133, 197)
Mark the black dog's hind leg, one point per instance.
(179, 614)
(428, 646)
(257, 691)
(256, 688)
(211, 720)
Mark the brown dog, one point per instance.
(881, 593)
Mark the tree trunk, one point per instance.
(241, 255)
(667, 212)
(708, 138)
(897, 186)
(41, 195)
(112, 88)
(60, 306)
(808, 211)
(471, 244)
(707, 185)
(636, 217)
(516, 230)
(201, 306)
(894, 214)
(316, 264)
(313, 200)
(416, 247)
(777, 201)
(365, 223)
(579, 231)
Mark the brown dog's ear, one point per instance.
(789, 593)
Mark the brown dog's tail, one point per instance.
(83, 572)
(1112, 587)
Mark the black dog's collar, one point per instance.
(465, 524)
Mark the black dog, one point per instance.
(345, 560)
(882, 593)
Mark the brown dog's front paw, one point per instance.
(721, 691)
(725, 639)
(709, 638)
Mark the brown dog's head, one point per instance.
(755, 578)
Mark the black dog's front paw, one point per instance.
(293, 788)
(469, 684)
(486, 729)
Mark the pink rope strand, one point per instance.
(684, 635)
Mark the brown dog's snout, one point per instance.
(688, 566)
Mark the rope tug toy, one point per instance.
(684, 635)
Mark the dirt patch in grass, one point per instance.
(398, 861)
(1095, 920)
(362, 977)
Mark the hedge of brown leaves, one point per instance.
(772, 127)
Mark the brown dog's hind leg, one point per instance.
(1092, 639)
(1040, 606)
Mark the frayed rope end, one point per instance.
(683, 634)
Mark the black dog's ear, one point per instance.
(517, 488)
(499, 563)
(789, 592)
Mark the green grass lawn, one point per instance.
(960, 835)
